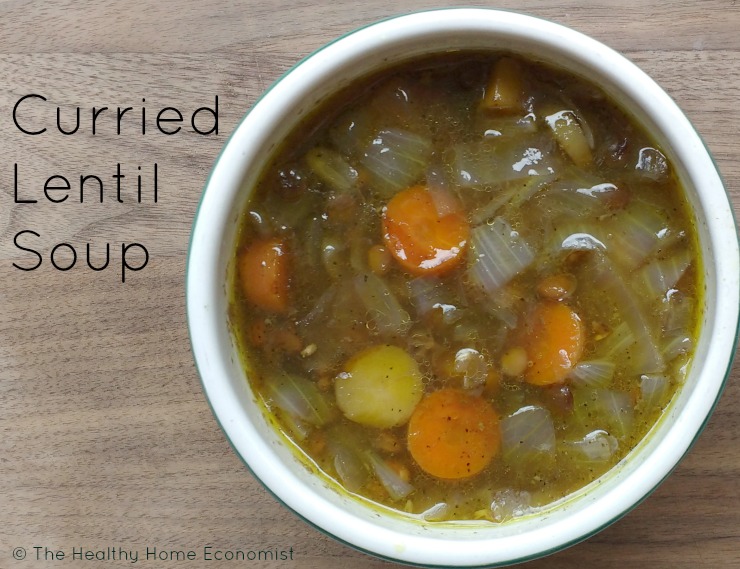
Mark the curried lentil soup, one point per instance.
(467, 286)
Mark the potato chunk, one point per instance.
(380, 387)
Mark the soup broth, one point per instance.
(467, 286)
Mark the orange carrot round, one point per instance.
(263, 272)
(424, 238)
(453, 434)
(553, 340)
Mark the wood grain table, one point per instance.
(106, 439)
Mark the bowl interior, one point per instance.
(273, 459)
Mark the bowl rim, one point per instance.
(194, 305)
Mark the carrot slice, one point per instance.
(423, 236)
(453, 434)
(553, 340)
(263, 271)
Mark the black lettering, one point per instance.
(15, 186)
(15, 114)
(74, 256)
(84, 179)
(107, 258)
(161, 119)
(15, 242)
(118, 177)
(95, 113)
(124, 262)
(48, 188)
(59, 122)
(214, 112)
(143, 116)
(122, 112)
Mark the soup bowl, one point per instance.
(291, 478)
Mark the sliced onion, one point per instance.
(497, 254)
(676, 344)
(606, 409)
(652, 164)
(529, 431)
(508, 504)
(332, 168)
(396, 159)
(593, 373)
(572, 235)
(569, 134)
(596, 446)
(491, 162)
(436, 513)
(349, 466)
(636, 234)
(352, 130)
(617, 342)
(679, 310)
(396, 486)
(425, 293)
(645, 357)
(653, 388)
(577, 194)
(382, 306)
(659, 276)
(299, 397)
(618, 411)
(299, 429)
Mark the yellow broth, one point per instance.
(563, 288)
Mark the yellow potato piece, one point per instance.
(380, 387)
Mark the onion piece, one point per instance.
(351, 130)
(645, 357)
(396, 159)
(572, 235)
(569, 134)
(425, 293)
(617, 409)
(593, 373)
(659, 276)
(299, 429)
(596, 446)
(678, 311)
(491, 162)
(527, 432)
(578, 194)
(604, 409)
(617, 342)
(652, 164)
(348, 464)
(396, 486)
(676, 344)
(332, 168)
(508, 504)
(637, 231)
(497, 254)
(653, 388)
(382, 305)
(299, 397)
(436, 513)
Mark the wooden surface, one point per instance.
(106, 439)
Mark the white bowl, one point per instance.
(266, 453)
